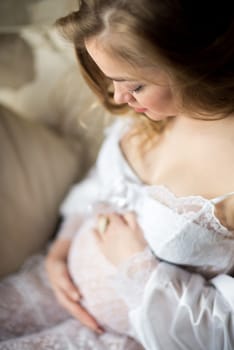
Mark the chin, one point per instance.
(156, 117)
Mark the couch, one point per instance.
(51, 127)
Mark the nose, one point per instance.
(121, 95)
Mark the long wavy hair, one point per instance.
(191, 40)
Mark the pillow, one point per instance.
(37, 168)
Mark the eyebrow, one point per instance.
(120, 79)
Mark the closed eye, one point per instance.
(137, 89)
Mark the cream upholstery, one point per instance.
(50, 128)
(37, 168)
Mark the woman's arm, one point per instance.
(170, 308)
(180, 310)
(76, 207)
(66, 292)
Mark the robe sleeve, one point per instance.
(85, 197)
(177, 310)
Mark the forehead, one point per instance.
(112, 65)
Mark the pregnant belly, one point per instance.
(93, 275)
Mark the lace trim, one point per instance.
(195, 208)
(126, 195)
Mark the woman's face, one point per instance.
(154, 99)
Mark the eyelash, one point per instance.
(137, 89)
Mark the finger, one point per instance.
(97, 235)
(102, 223)
(66, 284)
(79, 312)
(130, 218)
(116, 219)
(71, 291)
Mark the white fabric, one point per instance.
(161, 305)
(224, 285)
(181, 311)
(31, 319)
(181, 230)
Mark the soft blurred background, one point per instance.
(15, 13)
(39, 77)
(51, 125)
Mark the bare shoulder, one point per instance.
(131, 147)
(138, 138)
(225, 212)
(131, 142)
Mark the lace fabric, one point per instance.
(92, 272)
(133, 275)
(109, 293)
(194, 208)
(70, 335)
(172, 225)
(30, 317)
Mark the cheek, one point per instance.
(159, 99)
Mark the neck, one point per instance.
(182, 123)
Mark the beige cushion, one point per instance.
(37, 167)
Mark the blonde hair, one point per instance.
(192, 43)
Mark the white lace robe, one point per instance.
(162, 306)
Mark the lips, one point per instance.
(140, 110)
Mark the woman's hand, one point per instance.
(66, 292)
(121, 238)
